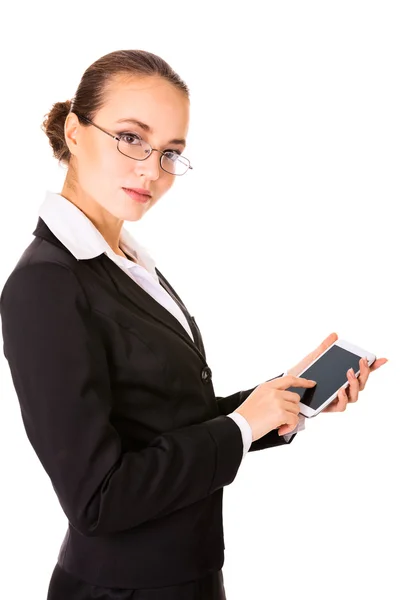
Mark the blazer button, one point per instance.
(206, 374)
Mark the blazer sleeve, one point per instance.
(59, 368)
(230, 403)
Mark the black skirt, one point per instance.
(64, 586)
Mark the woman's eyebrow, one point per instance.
(149, 130)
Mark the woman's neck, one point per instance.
(122, 253)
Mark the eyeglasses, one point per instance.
(132, 146)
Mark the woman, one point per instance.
(109, 366)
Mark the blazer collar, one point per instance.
(132, 294)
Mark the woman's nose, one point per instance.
(150, 167)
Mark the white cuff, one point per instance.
(247, 433)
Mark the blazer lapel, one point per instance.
(192, 323)
(132, 294)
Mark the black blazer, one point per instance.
(119, 406)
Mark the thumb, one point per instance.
(285, 429)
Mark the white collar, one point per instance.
(77, 232)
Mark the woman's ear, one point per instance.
(71, 130)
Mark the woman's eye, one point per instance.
(172, 154)
(130, 138)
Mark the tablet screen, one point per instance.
(330, 373)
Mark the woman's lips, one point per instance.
(142, 198)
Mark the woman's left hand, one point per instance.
(350, 393)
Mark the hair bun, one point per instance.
(53, 126)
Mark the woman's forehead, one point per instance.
(150, 92)
(153, 102)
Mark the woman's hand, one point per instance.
(350, 394)
(356, 384)
(270, 406)
(303, 364)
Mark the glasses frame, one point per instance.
(115, 137)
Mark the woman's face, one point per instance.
(101, 171)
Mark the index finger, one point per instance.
(282, 383)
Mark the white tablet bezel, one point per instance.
(310, 412)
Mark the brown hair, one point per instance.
(89, 97)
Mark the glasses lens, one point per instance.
(174, 163)
(136, 148)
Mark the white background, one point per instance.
(284, 231)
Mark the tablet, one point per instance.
(329, 370)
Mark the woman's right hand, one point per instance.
(270, 406)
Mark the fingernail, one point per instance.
(351, 373)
